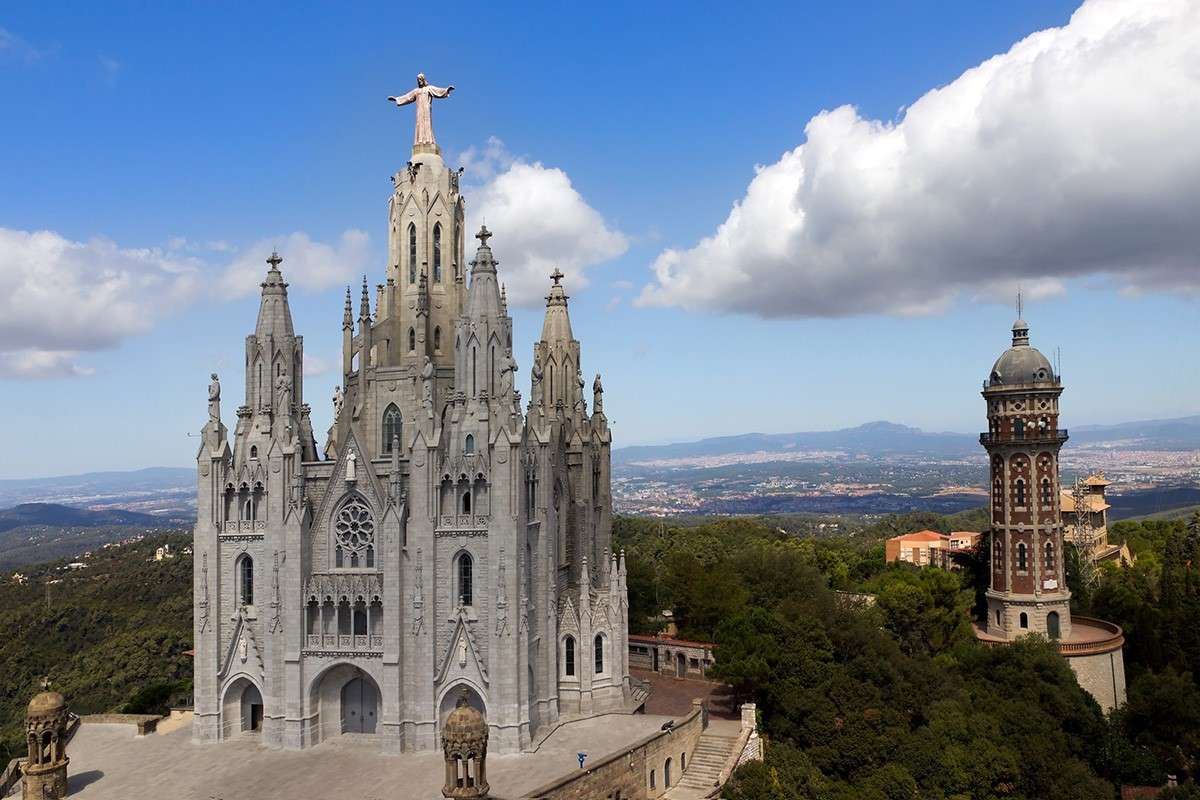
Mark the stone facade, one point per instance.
(443, 538)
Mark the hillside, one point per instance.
(56, 515)
(38, 532)
(102, 634)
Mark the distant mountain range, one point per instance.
(163, 491)
(883, 438)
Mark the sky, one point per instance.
(784, 217)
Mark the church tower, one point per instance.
(1028, 585)
(443, 550)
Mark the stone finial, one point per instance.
(483, 236)
(275, 260)
(556, 276)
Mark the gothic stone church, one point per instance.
(444, 538)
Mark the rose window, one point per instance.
(355, 528)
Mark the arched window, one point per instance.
(1046, 498)
(1024, 620)
(392, 427)
(651, 779)
(1020, 486)
(569, 656)
(465, 578)
(1019, 428)
(667, 774)
(254, 451)
(466, 502)
(412, 340)
(412, 253)
(1021, 561)
(437, 252)
(599, 647)
(1052, 628)
(469, 444)
(997, 616)
(437, 340)
(1050, 557)
(246, 581)
(354, 532)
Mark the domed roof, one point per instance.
(465, 724)
(47, 704)
(1020, 363)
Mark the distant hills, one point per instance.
(60, 516)
(884, 438)
(162, 491)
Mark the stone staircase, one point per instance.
(704, 766)
(640, 690)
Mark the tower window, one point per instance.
(246, 581)
(569, 656)
(1022, 564)
(412, 340)
(412, 253)
(1024, 620)
(437, 340)
(465, 579)
(469, 444)
(1020, 486)
(599, 648)
(1046, 496)
(392, 427)
(437, 253)
(1049, 556)
(1019, 428)
(466, 502)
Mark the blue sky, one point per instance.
(163, 138)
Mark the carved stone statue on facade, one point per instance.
(283, 394)
(351, 467)
(423, 96)
(339, 399)
(507, 367)
(597, 395)
(214, 399)
(427, 385)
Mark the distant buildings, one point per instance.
(164, 552)
(930, 548)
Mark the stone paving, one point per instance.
(108, 762)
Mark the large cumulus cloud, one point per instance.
(1074, 153)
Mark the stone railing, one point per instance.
(244, 526)
(463, 522)
(1031, 437)
(145, 723)
(1112, 638)
(341, 642)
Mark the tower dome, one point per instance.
(464, 743)
(1020, 363)
(46, 704)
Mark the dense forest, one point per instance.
(897, 699)
(111, 636)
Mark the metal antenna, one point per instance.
(1019, 306)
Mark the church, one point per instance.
(445, 541)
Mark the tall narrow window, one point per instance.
(1019, 428)
(412, 340)
(412, 253)
(246, 579)
(437, 253)
(599, 647)
(1020, 492)
(1050, 557)
(1021, 560)
(466, 502)
(465, 578)
(1024, 620)
(392, 427)
(569, 656)
(469, 444)
(437, 340)
(1046, 497)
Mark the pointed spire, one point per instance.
(364, 305)
(483, 295)
(274, 314)
(557, 325)
(348, 312)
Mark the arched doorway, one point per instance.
(360, 706)
(1052, 629)
(252, 708)
(680, 665)
(241, 708)
(667, 774)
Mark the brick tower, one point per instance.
(1028, 591)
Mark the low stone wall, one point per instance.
(627, 773)
(145, 723)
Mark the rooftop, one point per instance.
(1088, 637)
(107, 761)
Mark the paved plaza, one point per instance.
(108, 762)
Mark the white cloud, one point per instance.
(315, 365)
(41, 364)
(622, 284)
(61, 298)
(310, 265)
(1071, 154)
(540, 221)
(16, 48)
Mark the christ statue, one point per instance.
(423, 96)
